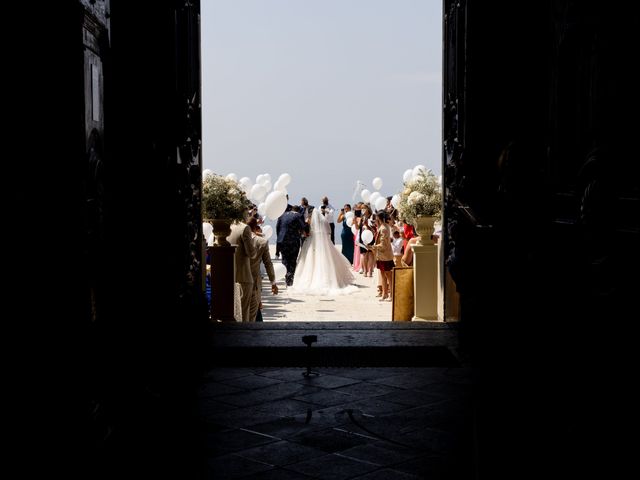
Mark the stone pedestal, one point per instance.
(223, 274)
(441, 281)
(425, 281)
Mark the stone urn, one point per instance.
(221, 230)
(424, 227)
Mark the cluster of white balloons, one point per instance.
(271, 204)
(413, 173)
(367, 235)
(376, 199)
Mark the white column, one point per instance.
(441, 280)
(425, 282)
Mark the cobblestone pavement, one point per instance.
(369, 423)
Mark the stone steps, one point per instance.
(362, 344)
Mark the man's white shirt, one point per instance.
(329, 213)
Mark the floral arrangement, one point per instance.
(223, 198)
(421, 197)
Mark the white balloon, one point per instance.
(232, 176)
(354, 229)
(417, 170)
(395, 201)
(207, 229)
(349, 221)
(367, 236)
(285, 179)
(206, 172)
(267, 184)
(258, 192)
(266, 178)
(262, 209)
(246, 184)
(210, 240)
(259, 179)
(280, 271)
(267, 231)
(381, 203)
(349, 215)
(276, 204)
(407, 175)
(365, 194)
(373, 197)
(377, 183)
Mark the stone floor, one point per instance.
(391, 400)
(369, 423)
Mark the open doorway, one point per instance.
(345, 99)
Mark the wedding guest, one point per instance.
(365, 223)
(396, 246)
(383, 253)
(305, 208)
(389, 207)
(346, 235)
(328, 211)
(245, 251)
(357, 257)
(437, 233)
(261, 245)
(407, 256)
(306, 211)
(288, 209)
(408, 233)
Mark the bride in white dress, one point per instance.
(322, 269)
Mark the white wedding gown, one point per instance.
(322, 269)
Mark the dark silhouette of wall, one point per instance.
(115, 305)
(542, 213)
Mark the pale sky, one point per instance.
(329, 91)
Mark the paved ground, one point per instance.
(385, 422)
(362, 305)
(369, 423)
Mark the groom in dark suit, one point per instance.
(290, 226)
(288, 209)
(305, 208)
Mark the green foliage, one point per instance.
(421, 197)
(223, 199)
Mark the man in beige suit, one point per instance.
(245, 251)
(261, 245)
